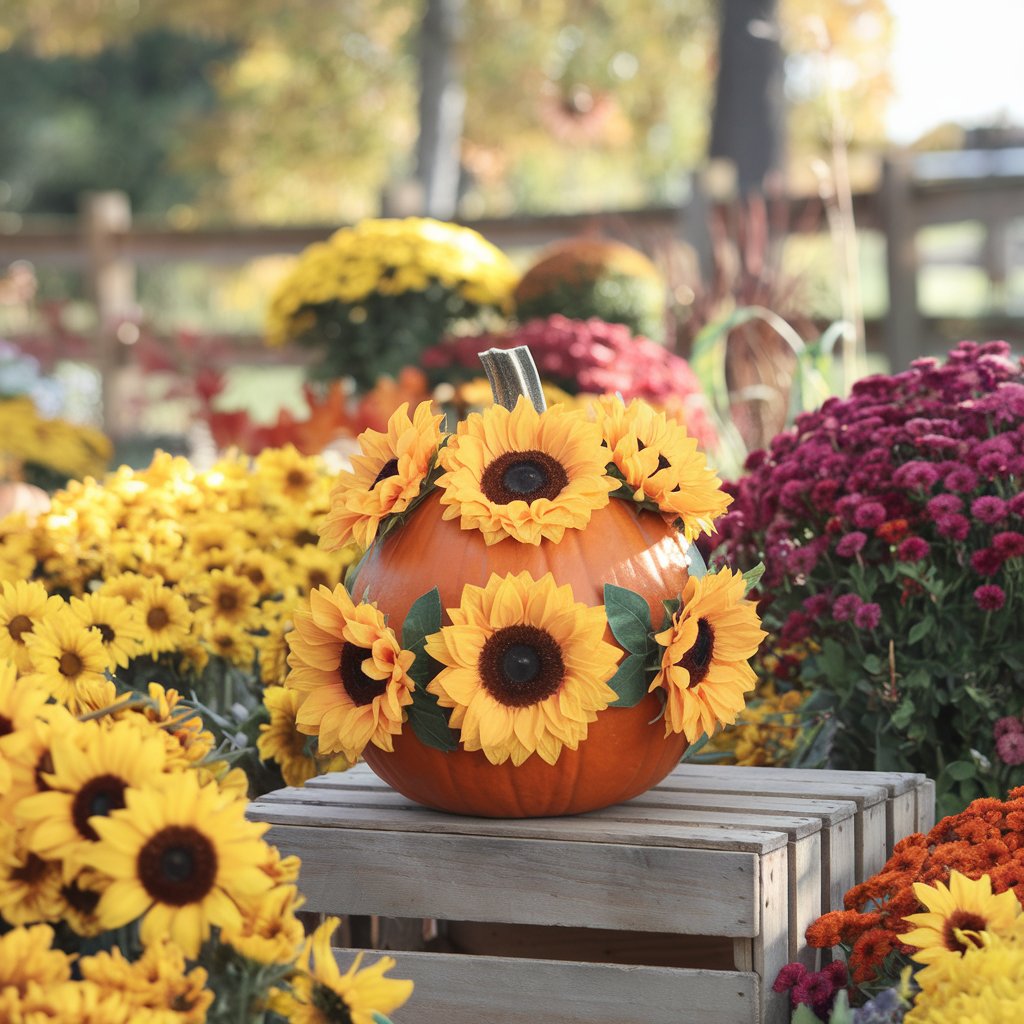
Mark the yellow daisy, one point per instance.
(524, 474)
(29, 885)
(385, 478)
(351, 672)
(704, 672)
(320, 993)
(661, 463)
(93, 766)
(165, 618)
(526, 667)
(270, 931)
(954, 912)
(22, 607)
(115, 621)
(69, 659)
(180, 857)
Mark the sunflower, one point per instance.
(22, 607)
(21, 701)
(93, 766)
(115, 621)
(128, 585)
(321, 993)
(955, 914)
(287, 476)
(232, 643)
(704, 672)
(660, 462)
(314, 567)
(273, 647)
(385, 478)
(29, 885)
(351, 672)
(79, 899)
(180, 728)
(262, 569)
(524, 474)
(280, 739)
(526, 667)
(270, 931)
(73, 1002)
(165, 618)
(180, 856)
(27, 957)
(69, 659)
(228, 600)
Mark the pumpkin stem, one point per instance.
(511, 373)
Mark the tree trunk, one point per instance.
(747, 127)
(442, 104)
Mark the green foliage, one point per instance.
(428, 719)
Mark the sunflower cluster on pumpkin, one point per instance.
(523, 664)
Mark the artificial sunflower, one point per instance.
(93, 766)
(660, 462)
(526, 667)
(29, 885)
(320, 993)
(270, 931)
(180, 856)
(116, 622)
(23, 606)
(69, 659)
(955, 914)
(385, 478)
(524, 474)
(351, 672)
(704, 671)
(165, 618)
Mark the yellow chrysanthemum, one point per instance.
(22, 607)
(967, 906)
(180, 857)
(661, 463)
(69, 659)
(526, 667)
(157, 981)
(321, 993)
(385, 478)
(704, 667)
(29, 885)
(270, 931)
(351, 672)
(115, 621)
(93, 766)
(27, 957)
(165, 618)
(524, 474)
(983, 986)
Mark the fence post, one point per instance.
(110, 284)
(904, 329)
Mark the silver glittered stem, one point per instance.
(512, 372)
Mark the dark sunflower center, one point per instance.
(106, 632)
(523, 476)
(663, 463)
(389, 469)
(256, 576)
(84, 901)
(227, 601)
(331, 1005)
(698, 658)
(99, 796)
(70, 664)
(31, 872)
(296, 478)
(521, 665)
(177, 865)
(157, 618)
(306, 537)
(318, 578)
(6, 726)
(966, 921)
(18, 626)
(359, 686)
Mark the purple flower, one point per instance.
(989, 509)
(1008, 724)
(916, 476)
(850, 544)
(1009, 544)
(1010, 747)
(992, 464)
(817, 606)
(953, 526)
(868, 616)
(814, 990)
(986, 562)
(943, 505)
(913, 549)
(1016, 505)
(845, 607)
(990, 597)
(961, 479)
(869, 515)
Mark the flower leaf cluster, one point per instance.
(891, 526)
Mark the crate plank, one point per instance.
(925, 804)
(771, 944)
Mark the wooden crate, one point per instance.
(680, 905)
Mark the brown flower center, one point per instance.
(966, 921)
(84, 901)
(318, 578)
(157, 618)
(331, 1005)
(70, 664)
(358, 685)
(521, 665)
(296, 478)
(306, 537)
(106, 633)
(227, 601)
(18, 626)
(389, 469)
(256, 576)
(697, 659)
(99, 796)
(523, 476)
(32, 872)
(177, 865)
(6, 726)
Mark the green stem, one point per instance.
(513, 373)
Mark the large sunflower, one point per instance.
(93, 766)
(351, 672)
(180, 856)
(321, 994)
(524, 474)
(115, 621)
(526, 667)
(165, 618)
(22, 607)
(704, 671)
(385, 478)
(966, 906)
(661, 463)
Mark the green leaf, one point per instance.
(903, 715)
(671, 606)
(698, 567)
(429, 721)
(422, 619)
(803, 1014)
(961, 770)
(379, 1018)
(753, 576)
(691, 752)
(873, 664)
(629, 682)
(920, 630)
(629, 618)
